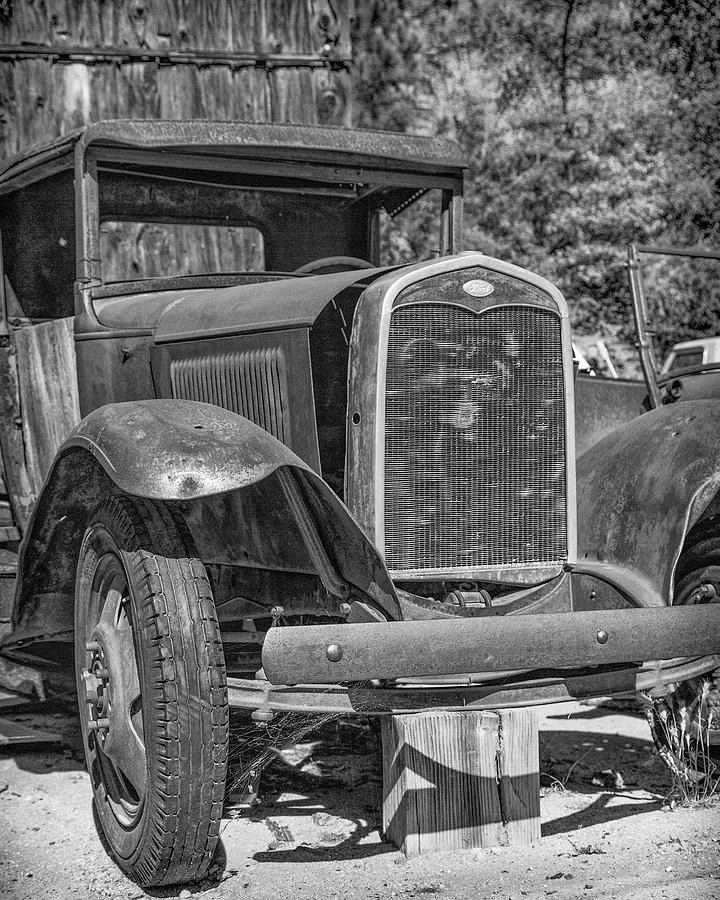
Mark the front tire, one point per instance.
(152, 692)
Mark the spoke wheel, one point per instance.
(685, 722)
(152, 692)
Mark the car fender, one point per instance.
(245, 497)
(642, 488)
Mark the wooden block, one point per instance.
(454, 780)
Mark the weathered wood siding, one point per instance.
(293, 69)
(47, 376)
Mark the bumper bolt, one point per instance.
(334, 652)
(602, 637)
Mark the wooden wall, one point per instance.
(66, 62)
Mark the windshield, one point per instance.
(153, 224)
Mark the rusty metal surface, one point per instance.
(700, 383)
(124, 306)
(115, 369)
(264, 377)
(178, 449)
(222, 477)
(245, 308)
(634, 586)
(300, 655)
(233, 138)
(187, 451)
(602, 405)
(149, 287)
(372, 701)
(642, 488)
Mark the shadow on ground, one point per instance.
(334, 773)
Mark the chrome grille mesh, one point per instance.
(251, 383)
(474, 439)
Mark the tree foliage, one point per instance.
(587, 125)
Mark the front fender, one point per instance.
(643, 487)
(179, 449)
(246, 498)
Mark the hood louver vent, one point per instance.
(252, 383)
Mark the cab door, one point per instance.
(38, 372)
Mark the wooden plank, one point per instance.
(15, 733)
(455, 780)
(17, 478)
(9, 698)
(40, 99)
(47, 378)
(20, 679)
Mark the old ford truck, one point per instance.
(252, 464)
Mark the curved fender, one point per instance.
(246, 498)
(643, 487)
(179, 449)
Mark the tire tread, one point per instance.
(187, 666)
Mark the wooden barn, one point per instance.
(67, 62)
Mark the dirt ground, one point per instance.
(313, 832)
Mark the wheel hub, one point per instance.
(109, 685)
(96, 680)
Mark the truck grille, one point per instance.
(252, 383)
(474, 439)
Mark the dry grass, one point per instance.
(681, 732)
(255, 745)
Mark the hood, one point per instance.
(178, 315)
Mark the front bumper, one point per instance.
(328, 654)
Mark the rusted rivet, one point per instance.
(602, 637)
(593, 595)
(345, 609)
(334, 652)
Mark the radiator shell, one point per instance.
(516, 537)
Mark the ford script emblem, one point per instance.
(478, 288)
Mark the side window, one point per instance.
(38, 229)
